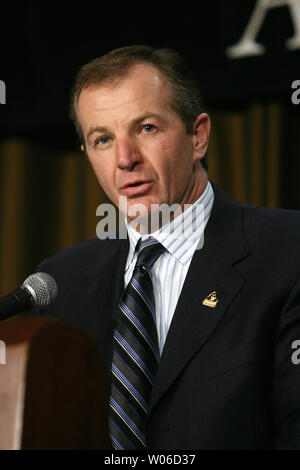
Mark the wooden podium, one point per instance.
(53, 387)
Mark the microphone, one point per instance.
(38, 290)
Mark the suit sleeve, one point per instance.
(286, 384)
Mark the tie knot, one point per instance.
(148, 252)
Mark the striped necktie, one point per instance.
(136, 353)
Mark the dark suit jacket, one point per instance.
(226, 379)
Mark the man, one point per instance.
(220, 372)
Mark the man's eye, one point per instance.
(149, 128)
(102, 140)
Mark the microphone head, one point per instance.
(42, 287)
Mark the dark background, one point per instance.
(44, 44)
(48, 195)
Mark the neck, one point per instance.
(196, 186)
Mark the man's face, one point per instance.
(137, 145)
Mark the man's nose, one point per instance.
(128, 154)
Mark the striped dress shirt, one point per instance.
(181, 237)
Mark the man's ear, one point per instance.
(201, 131)
(82, 148)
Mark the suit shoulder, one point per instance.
(279, 222)
(273, 236)
(77, 256)
(260, 223)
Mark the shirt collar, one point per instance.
(183, 235)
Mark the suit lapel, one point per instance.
(210, 270)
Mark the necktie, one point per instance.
(136, 353)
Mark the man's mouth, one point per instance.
(137, 187)
(135, 184)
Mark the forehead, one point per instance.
(142, 85)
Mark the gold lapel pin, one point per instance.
(211, 300)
